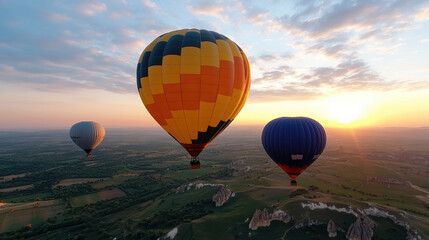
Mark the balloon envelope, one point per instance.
(87, 135)
(294, 143)
(193, 83)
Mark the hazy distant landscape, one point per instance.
(138, 185)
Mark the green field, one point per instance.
(128, 189)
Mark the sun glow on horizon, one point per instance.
(350, 110)
(345, 113)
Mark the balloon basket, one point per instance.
(195, 163)
(88, 155)
(293, 183)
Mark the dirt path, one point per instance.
(420, 189)
(287, 230)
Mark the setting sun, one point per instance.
(345, 113)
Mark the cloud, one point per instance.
(296, 83)
(59, 17)
(93, 44)
(45, 54)
(350, 75)
(327, 41)
(150, 4)
(91, 8)
(252, 14)
(345, 17)
(208, 8)
(422, 14)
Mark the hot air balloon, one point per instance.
(193, 83)
(294, 143)
(87, 135)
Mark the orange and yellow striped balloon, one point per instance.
(193, 83)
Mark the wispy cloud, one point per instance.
(422, 14)
(58, 17)
(336, 34)
(209, 9)
(297, 83)
(150, 4)
(92, 53)
(91, 8)
(320, 21)
(306, 51)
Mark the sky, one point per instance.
(343, 63)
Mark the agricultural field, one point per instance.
(129, 188)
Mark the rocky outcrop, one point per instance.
(222, 196)
(196, 186)
(332, 230)
(260, 219)
(279, 215)
(412, 233)
(263, 218)
(361, 229)
(356, 227)
(321, 205)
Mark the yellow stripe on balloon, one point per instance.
(190, 60)
(155, 79)
(220, 108)
(179, 117)
(225, 52)
(234, 49)
(171, 69)
(205, 114)
(235, 99)
(192, 123)
(209, 54)
(174, 129)
(146, 91)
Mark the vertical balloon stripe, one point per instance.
(172, 90)
(241, 102)
(229, 116)
(139, 84)
(155, 85)
(246, 84)
(311, 129)
(190, 80)
(226, 82)
(210, 74)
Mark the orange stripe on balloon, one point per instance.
(190, 88)
(173, 95)
(162, 105)
(209, 83)
(239, 82)
(226, 77)
(156, 114)
(246, 67)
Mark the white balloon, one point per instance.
(87, 135)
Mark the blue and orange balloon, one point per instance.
(294, 143)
